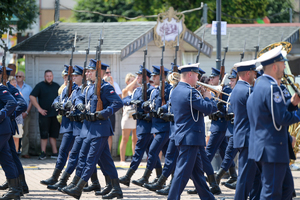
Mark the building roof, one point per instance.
(269, 33)
(123, 38)
(59, 37)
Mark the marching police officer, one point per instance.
(8, 105)
(95, 145)
(160, 127)
(188, 107)
(269, 116)
(143, 129)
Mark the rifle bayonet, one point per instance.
(99, 75)
(70, 70)
(201, 44)
(242, 54)
(84, 65)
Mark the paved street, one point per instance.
(37, 170)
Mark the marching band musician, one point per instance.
(269, 116)
(230, 151)
(248, 179)
(189, 132)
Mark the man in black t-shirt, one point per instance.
(46, 91)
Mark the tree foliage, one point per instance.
(277, 11)
(118, 7)
(25, 10)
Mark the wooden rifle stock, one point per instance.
(4, 76)
(70, 81)
(162, 85)
(83, 80)
(98, 86)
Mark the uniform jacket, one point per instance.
(187, 130)
(77, 126)
(142, 125)
(238, 101)
(111, 104)
(22, 106)
(221, 124)
(159, 125)
(267, 143)
(8, 105)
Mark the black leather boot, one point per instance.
(61, 183)
(219, 175)
(4, 186)
(116, 190)
(144, 179)
(71, 185)
(194, 191)
(53, 179)
(107, 188)
(230, 185)
(233, 175)
(13, 190)
(165, 190)
(157, 185)
(23, 184)
(77, 190)
(95, 186)
(214, 187)
(158, 174)
(126, 179)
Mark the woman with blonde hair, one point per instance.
(128, 124)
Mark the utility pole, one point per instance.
(218, 60)
(204, 15)
(56, 11)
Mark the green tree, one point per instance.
(25, 10)
(118, 7)
(277, 11)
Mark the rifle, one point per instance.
(242, 54)
(162, 74)
(257, 47)
(99, 75)
(222, 70)
(144, 74)
(70, 70)
(84, 66)
(175, 68)
(4, 74)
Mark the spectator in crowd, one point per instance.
(46, 91)
(64, 74)
(25, 90)
(19, 119)
(128, 124)
(108, 78)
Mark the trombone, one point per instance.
(215, 89)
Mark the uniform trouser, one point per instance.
(156, 146)
(64, 149)
(170, 159)
(74, 155)
(99, 149)
(217, 140)
(248, 182)
(230, 154)
(15, 155)
(189, 164)
(207, 167)
(6, 159)
(142, 145)
(25, 137)
(277, 181)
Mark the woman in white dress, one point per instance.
(128, 124)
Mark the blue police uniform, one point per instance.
(7, 104)
(217, 139)
(66, 128)
(268, 142)
(248, 175)
(160, 128)
(95, 145)
(189, 136)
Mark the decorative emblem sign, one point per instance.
(172, 23)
